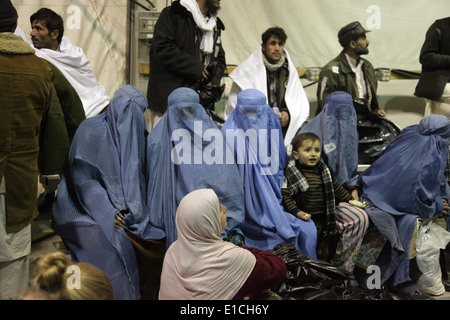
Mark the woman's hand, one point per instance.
(119, 221)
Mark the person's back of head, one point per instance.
(48, 282)
(54, 280)
(95, 284)
(8, 17)
(51, 20)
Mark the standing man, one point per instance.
(435, 59)
(186, 40)
(350, 72)
(270, 70)
(47, 36)
(25, 97)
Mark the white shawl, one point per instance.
(251, 74)
(199, 265)
(207, 27)
(72, 62)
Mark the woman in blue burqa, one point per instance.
(185, 152)
(335, 125)
(106, 177)
(254, 135)
(405, 184)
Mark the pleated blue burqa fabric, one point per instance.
(186, 151)
(336, 127)
(406, 183)
(254, 134)
(105, 176)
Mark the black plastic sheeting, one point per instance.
(309, 279)
(375, 133)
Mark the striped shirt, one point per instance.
(313, 200)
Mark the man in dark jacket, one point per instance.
(350, 72)
(186, 40)
(435, 60)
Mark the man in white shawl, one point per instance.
(270, 70)
(47, 37)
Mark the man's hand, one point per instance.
(284, 120)
(205, 75)
(381, 112)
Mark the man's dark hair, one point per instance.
(51, 20)
(298, 139)
(277, 32)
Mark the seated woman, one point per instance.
(254, 134)
(185, 152)
(336, 127)
(200, 265)
(405, 184)
(105, 177)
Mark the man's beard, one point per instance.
(212, 9)
(360, 50)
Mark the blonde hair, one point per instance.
(51, 279)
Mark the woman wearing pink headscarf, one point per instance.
(199, 265)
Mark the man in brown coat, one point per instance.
(26, 122)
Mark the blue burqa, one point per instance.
(105, 176)
(254, 134)
(186, 151)
(407, 182)
(336, 127)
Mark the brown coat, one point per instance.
(25, 96)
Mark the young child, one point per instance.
(311, 191)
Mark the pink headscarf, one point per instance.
(199, 264)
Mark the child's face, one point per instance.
(308, 154)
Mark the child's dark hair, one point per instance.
(298, 139)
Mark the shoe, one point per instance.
(413, 295)
(446, 284)
(45, 201)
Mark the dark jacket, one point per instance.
(27, 114)
(340, 77)
(70, 102)
(175, 56)
(435, 60)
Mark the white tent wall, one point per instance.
(398, 27)
(99, 27)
